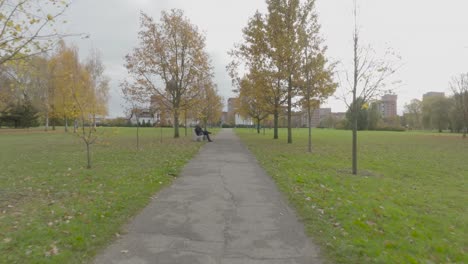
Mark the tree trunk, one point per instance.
(258, 125)
(47, 122)
(138, 137)
(160, 133)
(185, 122)
(289, 109)
(465, 128)
(275, 124)
(310, 127)
(355, 84)
(66, 124)
(88, 152)
(176, 123)
(355, 146)
(75, 126)
(94, 121)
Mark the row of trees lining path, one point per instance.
(284, 65)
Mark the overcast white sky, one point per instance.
(430, 35)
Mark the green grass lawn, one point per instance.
(54, 210)
(408, 205)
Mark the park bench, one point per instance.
(197, 137)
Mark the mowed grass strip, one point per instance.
(409, 203)
(54, 210)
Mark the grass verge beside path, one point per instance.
(54, 210)
(408, 205)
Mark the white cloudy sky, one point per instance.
(430, 35)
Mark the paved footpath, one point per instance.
(223, 209)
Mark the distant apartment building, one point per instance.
(320, 115)
(433, 94)
(388, 105)
(300, 119)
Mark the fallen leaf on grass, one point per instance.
(53, 251)
(124, 251)
(7, 240)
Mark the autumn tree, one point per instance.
(83, 95)
(273, 51)
(292, 27)
(251, 101)
(254, 55)
(24, 83)
(41, 78)
(27, 27)
(210, 106)
(75, 97)
(459, 87)
(368, 80)
(168, 61)
(202, 103)
(99, 85)
(317, 82)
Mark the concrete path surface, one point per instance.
(223, 209)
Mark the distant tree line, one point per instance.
(47, 89)
(438, 113)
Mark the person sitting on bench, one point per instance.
(199, 131)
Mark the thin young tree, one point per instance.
(254, 54)
(316, 80)
(369, 80)
(83, 98)
(135, 103)
(317, 87)
(251, 101)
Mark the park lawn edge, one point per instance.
(333, 230)
(57, 224)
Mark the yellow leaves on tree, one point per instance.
(170, 62)
(79, 89)
(25, 27)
